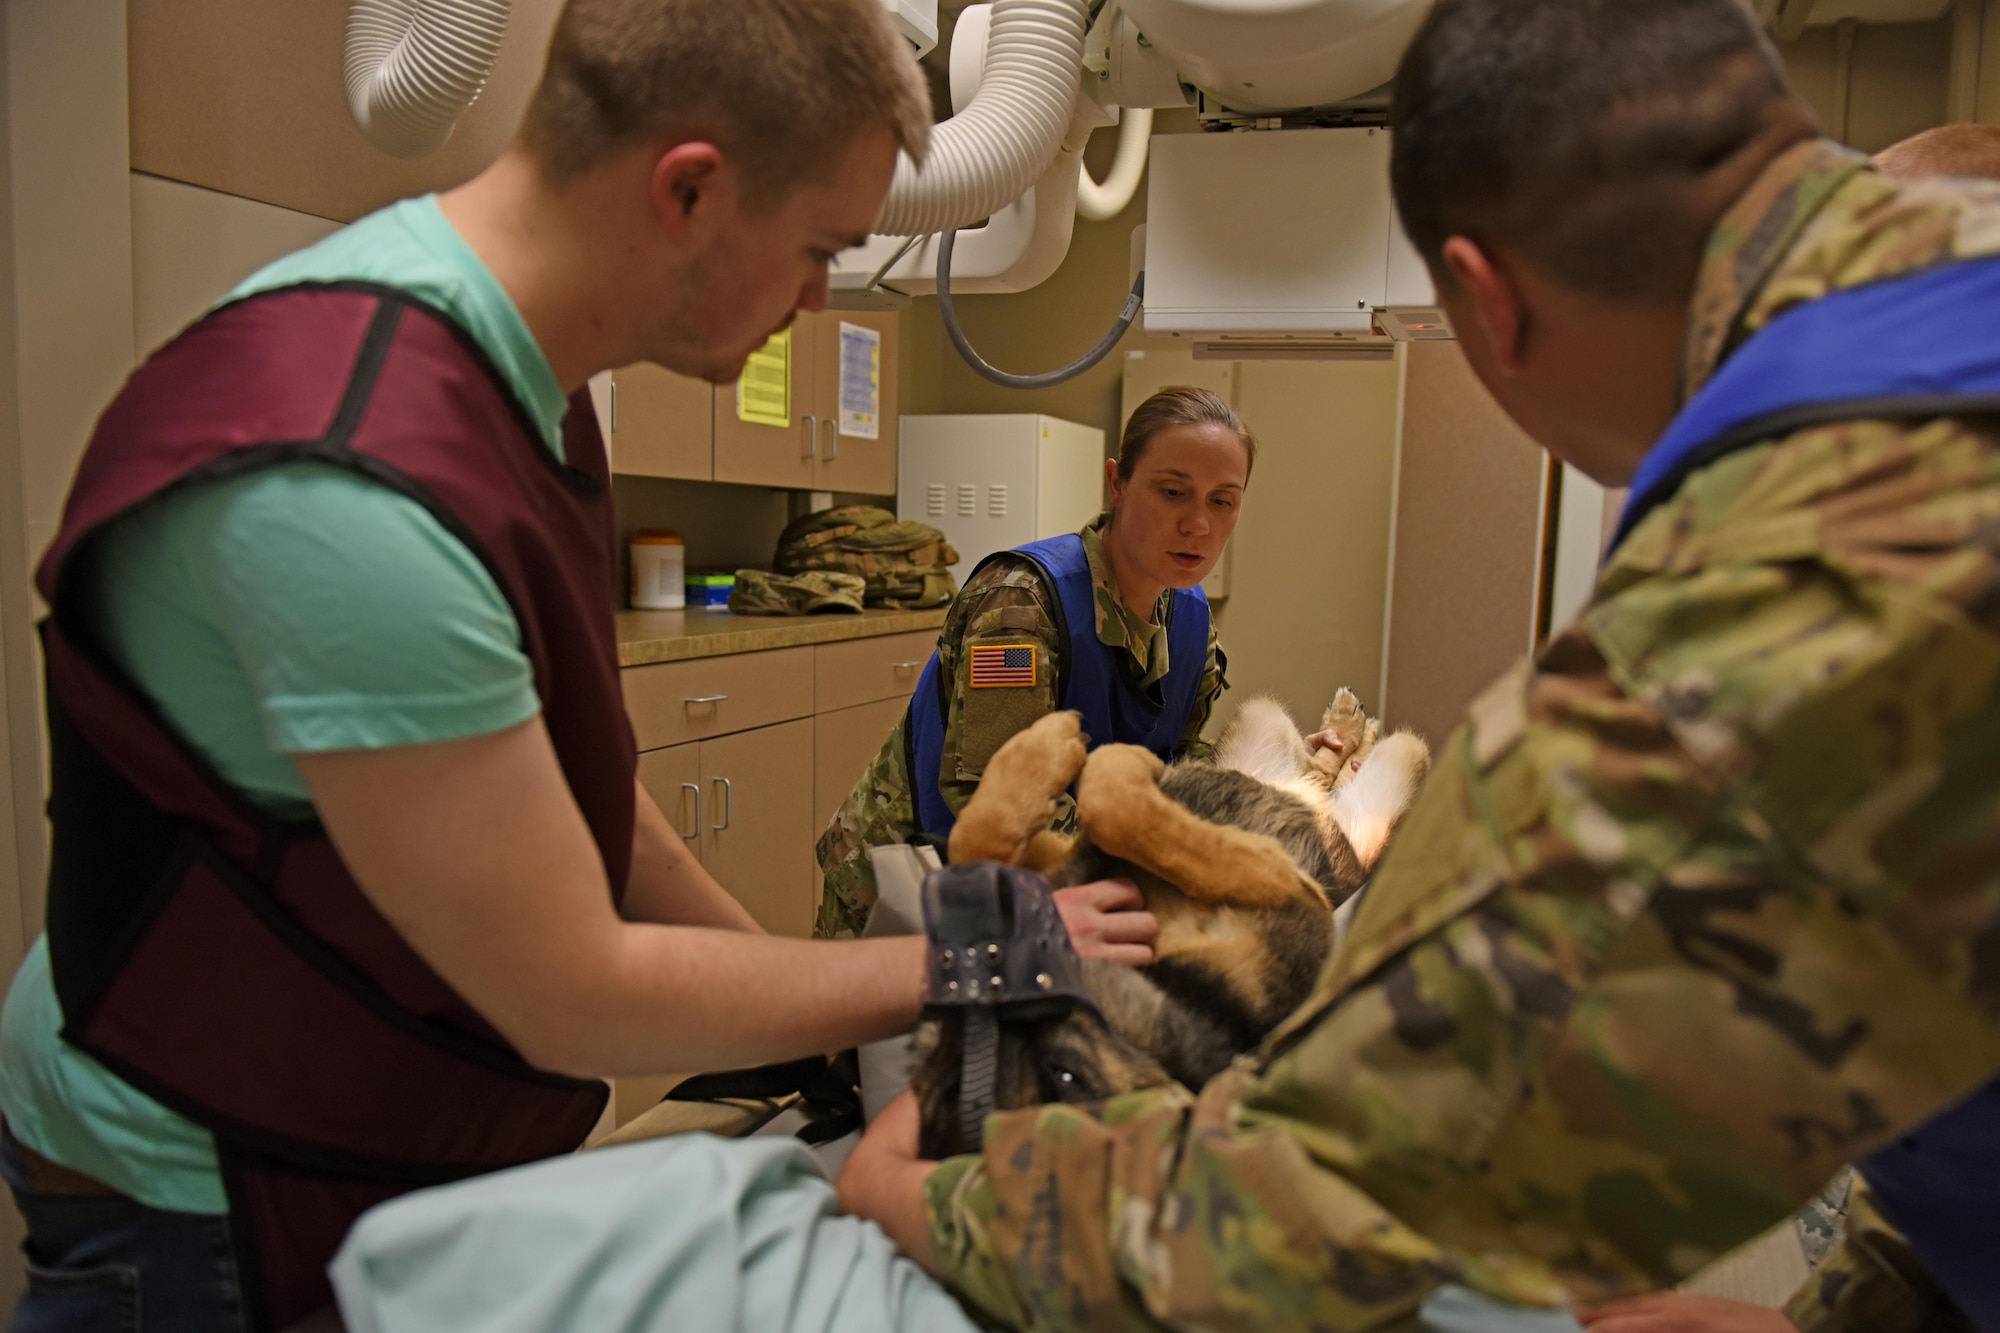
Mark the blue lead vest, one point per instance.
(1908, 348)
(1092, 682)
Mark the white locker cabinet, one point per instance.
(992, 482)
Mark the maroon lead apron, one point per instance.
(224, 961)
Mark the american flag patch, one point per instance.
(1002, 666)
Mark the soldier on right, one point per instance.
(1705, 901)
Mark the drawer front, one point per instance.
(860, 671)
(673, 702)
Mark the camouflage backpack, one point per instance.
(904, 564)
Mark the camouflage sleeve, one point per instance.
(876, 812)
(1872, 1283)
(1615, 1001)
(1214, 680)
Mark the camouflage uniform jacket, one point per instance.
(1005, 602)
(1692, 910)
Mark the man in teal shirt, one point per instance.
(331, 649)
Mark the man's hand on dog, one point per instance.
(1107, 921)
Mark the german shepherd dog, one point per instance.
(1245, 861)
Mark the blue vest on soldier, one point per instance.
(1092, 681)
(1908, 348)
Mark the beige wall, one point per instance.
(1467, 563)
(191, 245)
(1900, 73)
(67, 303)
(1308, 573)
(245, 96)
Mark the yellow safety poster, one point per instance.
(764, 389)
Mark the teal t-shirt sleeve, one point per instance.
(323, 608)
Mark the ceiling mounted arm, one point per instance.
(414, 66)
(985, 156)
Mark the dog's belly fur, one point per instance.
(1227, 975)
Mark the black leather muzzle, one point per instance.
(998, 951)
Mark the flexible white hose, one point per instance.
(1095, 202)
(983, 158)
(414, 66)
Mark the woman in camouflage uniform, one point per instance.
(1018, 642)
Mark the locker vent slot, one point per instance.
(934, 500)
(996, 502)
(968, 501)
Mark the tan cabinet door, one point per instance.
(673, 778)
(845, 742)
(855, 462)
(754, 454)
(757, 822)
(662, 424)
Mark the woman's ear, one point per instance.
(1112, 486)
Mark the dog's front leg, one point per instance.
(1007, 819)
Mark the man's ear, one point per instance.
(1494, 298)
(691, 189)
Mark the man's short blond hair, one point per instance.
(783, 86)
(1949, 150)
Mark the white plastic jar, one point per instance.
(659, 570)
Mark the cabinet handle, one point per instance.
(832, 438)
(728, 804)
(696, 789)
(906, 666)
(614, 404)
(704, 699)
(812, 436)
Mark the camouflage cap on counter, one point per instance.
(759, 592)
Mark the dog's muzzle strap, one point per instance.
(978, 1071)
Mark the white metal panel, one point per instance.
(950, 471)
(994, 482)
(1278, 232)
(1069, 487)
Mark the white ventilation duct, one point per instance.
(414, 66)
(1096, 202)
(984, 157)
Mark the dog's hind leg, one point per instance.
(1368, 808)
(1124, 812)
(1007, 819)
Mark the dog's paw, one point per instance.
(1348, 722)
(1045, 758)
(1017, 793)
(1118, 795)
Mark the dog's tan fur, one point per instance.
(1245, 898)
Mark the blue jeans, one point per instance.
(109, 1264)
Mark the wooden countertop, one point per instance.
(646, 637)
